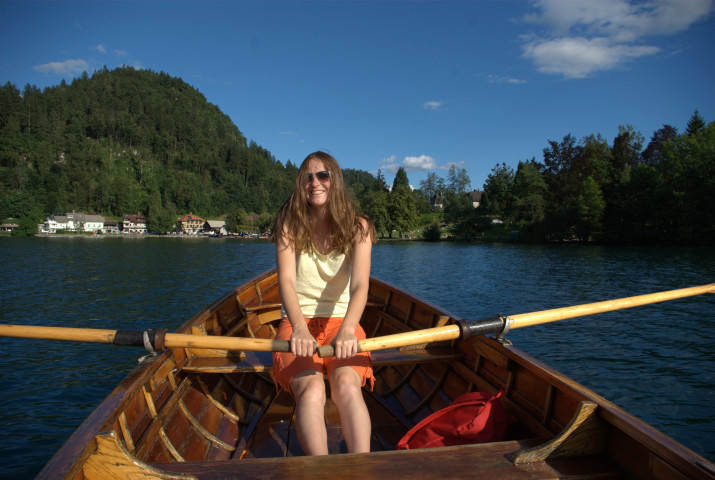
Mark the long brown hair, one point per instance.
(293, 219)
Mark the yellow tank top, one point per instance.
(322, 284)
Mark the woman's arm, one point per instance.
(345, 340)
(302, 343)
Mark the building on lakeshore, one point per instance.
(191, 224)
(134, 223)
(58, 222)
(72, 222)
(88, 223)
(8, 227)
(215, 227)
(111, 227)
(475, 197)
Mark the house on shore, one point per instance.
(134, 223)
(216, 228)
(88, 223)
(475, 197)
(72, 222)
(55, 223)
(111, 227)
(191, 224)
(8, 227)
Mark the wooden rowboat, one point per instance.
(211, 413)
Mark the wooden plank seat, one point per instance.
(263, 361)
(464, 461)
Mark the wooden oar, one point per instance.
(150, 339)
(499, 325)
(159, 339)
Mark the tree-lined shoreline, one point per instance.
(131, 140)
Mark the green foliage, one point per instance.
(375, 206)
(696, 124)
(590, 206)
(112, 142)
(498, 190)
(529, 196)
(136, 141)
(402, 210)
(458, 180)
(432, 233)
(400, 180)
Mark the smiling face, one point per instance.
(316, 186)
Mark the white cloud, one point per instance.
(503, 79)
(100, 48)
(423, 162)
(410, 164)
(121, 53)
(587, 36)
(68, 67)
(390, 164)
(577, 57)
(432, 105)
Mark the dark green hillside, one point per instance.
(129, 140)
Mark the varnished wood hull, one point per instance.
(215, 414)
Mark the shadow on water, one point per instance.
(654, 361)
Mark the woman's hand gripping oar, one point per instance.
(500, 325)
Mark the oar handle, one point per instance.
(416, 337)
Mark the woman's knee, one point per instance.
(309, 389)
(345, 384)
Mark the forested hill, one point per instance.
(127, 141)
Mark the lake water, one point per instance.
(657, 361)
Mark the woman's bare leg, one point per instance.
(309, 392)
(346, 392)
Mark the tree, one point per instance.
(529, 192)
(626, 147)
(653, 153)
(375, 206)
(402, 210)
(590, 207)
(428, 187)
(432, 233)
(401, 180)
(498, 190)
(695, 124)
(458, 180)
(380, 183)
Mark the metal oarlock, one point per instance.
(501, 338)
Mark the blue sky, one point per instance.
(381, 84)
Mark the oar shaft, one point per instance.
(556, 314)
(58, 333)
(226, 343)
(135, 338)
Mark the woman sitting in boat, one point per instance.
(323, 248)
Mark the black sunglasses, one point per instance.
(322, 175)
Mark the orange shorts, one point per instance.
(286, 365)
